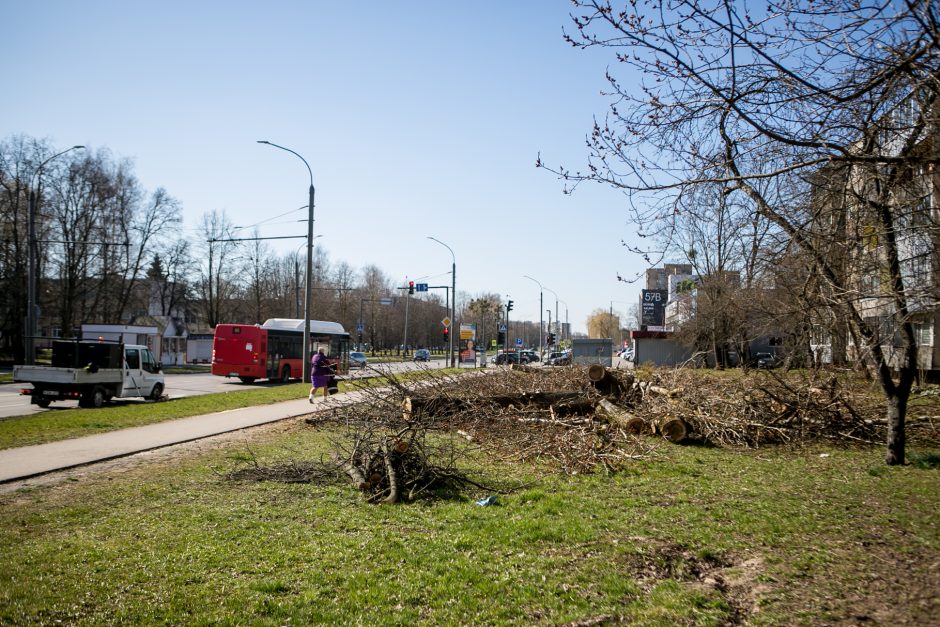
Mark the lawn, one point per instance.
(692, 535)
(811, 533)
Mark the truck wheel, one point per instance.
(156, 392)
(43, 403)
(92, 399)
(285, 374)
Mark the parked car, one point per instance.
(530, 356)
(358, 359)
(510, 358)
(558, 359)
(422, 354)
(767, 360)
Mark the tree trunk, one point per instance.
(896, 414)
(392, 475)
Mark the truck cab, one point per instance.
(142, 373)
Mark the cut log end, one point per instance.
(636, 426)
(625, 420)
(597, 372)
(675, 430)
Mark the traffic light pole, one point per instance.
(405, 341)
(450, 331)
(410, 289)
(508, 309)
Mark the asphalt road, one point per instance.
(178, 386)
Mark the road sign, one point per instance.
(359, 328)
(518, 341)
(446, 321)
(421, 287)
(502, 328)
(386, 301)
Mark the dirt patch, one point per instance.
(871, 582)
(733, 579)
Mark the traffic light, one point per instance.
(551, 339)
(446, 333)
(411, 287)
(509, 306)
(500, 338)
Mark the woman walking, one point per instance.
(320, 374)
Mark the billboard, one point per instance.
(468, 336)
(653, 307)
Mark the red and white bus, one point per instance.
(274, 350)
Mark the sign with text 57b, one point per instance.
(653, 307)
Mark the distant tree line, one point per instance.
(110, 251)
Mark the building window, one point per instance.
(923, 333)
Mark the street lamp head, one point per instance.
(263, 141)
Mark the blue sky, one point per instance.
(417, 119)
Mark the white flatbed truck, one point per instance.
(92, 373)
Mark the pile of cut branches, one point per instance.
(762, 407)
(402, 440)
(524, 414)
(401, 466)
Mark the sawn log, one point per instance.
(620, 417)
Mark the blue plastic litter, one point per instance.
(490, 500)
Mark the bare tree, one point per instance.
(343, 280)
(260, 271)
(738, 94)
(219, 281)
(378, 318)
(145, 229)
(603, 324)
(19, 157)
(169, 278)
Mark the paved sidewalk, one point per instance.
(31, 461)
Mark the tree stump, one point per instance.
(604, 381)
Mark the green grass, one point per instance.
(789, 531)
(61, 423)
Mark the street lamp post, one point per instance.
(453, 302)
(309, 281)
(31, 314)
(541, 307)
(558, 321)
(619, 323)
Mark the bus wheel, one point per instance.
(248, 380)
(285, 374)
